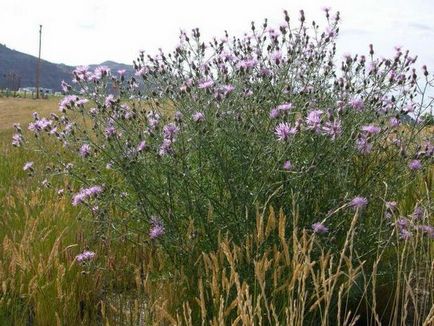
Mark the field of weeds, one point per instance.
(131, 284)
(244, 182)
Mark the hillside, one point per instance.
(18, 69)
(115, 66)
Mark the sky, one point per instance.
(77, 32)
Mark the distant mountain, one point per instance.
(114, 67)
(18, 69)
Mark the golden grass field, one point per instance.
(20, 109)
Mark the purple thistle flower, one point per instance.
(284, 107)
(356, 104)
(28, 166)
(330, 31)
(284, 130)
(427, 230)
(415, 165)
(93, 191)
(319, 228)
(166, 147)
(68, 129)
(363, 145)
(141, 146)
(198, 117)
(170, 130)
(67, 102)
(313, 119)
(265, 72)
(81, 102)
(427, 149)
(405, 234)
(410, 107)
(227, 89)
(40, 125)
(402, 223)
(156, 231)
(109, 100)
(332, 129)
(84, 150)
(53, 131)
(142, 71)
(157, 228)
(101, 71)
(391, 205)
(85, 256)
(287, 166)
(219, 95)
(358, 202)
(65, 86)
(86, 193)
(273, 33)
(206, 84)
(276, 56)
(274, 113)
(326, 9)
(153, 120)
(121, 72)
(110, 132)
(394, 122)
(17, 140)
(372, 68)
(247, 64)
(81, 73)
(227, 56)
(417, 213)
(371, 129)
(128, 113)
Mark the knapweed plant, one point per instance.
(202, 139)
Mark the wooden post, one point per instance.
(38, 67)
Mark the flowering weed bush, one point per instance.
(204, 137)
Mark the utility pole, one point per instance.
(38, 67)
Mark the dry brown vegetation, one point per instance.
(14, 110)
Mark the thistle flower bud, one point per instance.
(327, 11)
(302, 17)
(285, 12)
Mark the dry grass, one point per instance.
(20, 109)
(299, 282)
(294, 282)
